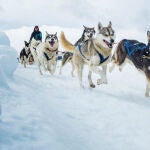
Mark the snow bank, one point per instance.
(8, 61)
(4, 40)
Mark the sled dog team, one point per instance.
(93, 49)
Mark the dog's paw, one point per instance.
(100, 81)
(92, 85)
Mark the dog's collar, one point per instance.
(51, 50)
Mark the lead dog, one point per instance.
(95, 52)
(135, 53)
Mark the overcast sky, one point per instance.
(124, 14)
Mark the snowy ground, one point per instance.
(54, 113)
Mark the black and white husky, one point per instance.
(136, 53)
(25, 55)
(67, 57)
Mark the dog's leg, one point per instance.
(54, 66)
(147, 88)
(73, 69)
(60, 70)
(21, 59)
(112, 67)
(95, 69)
(24, 62)
(103, 79)
(39, 66)
(79, 68)
(90, 79)
(44, 67)
(48, 63)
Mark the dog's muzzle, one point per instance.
(108, 44)
(51, 43)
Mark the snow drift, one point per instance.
(8, 61)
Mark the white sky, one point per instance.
(124, 14)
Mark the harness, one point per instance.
(79, 47)
(102, 59)
(46, 55)
(133, 47)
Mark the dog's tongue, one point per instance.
(51, 43)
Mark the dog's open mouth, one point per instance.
(90, 36)
(108, 44)
(52, 43)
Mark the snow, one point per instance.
(4, 40)
(8, 63)
(53, 112)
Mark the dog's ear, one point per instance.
(84, 27)
(110, 24)
(100, 26)
(26, 43)
(93, 29)
(47, 34)
(56, 34)
(148, 33)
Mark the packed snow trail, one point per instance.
(53, 112)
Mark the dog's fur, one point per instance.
(25, 55)
(67, 57)
(46, 53)
(102, 43)
(141, 59)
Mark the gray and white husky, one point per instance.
(67, 56)
(46, 53)
(95, 52)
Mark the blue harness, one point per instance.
(47, 57)
(79, 47)
(102, 59)
(133, 47)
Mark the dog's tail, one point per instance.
(67, 56)
(120, 54)
(65, 43)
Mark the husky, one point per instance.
(67, 57)
(25, 55)
(95, 52)
(135, 53)
(46, 53)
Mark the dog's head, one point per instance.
(51, 40)
(27, 46)
(88, 33)
(106, 35)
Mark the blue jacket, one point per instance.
(37, 35)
